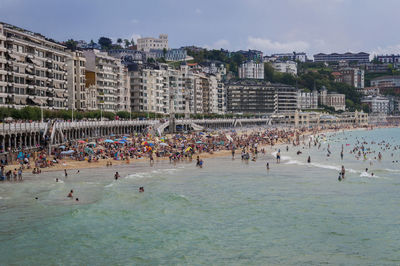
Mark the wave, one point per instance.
(290, 160)
(365, 174)
(110, 185)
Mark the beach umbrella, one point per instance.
(61, 147)
(199, 142)
(108, 141)
(145, 143)
(188, 149)
(67, 152)
(81, 141)
(88, 150)
(92, 143)
(116, 139)
(151, 144)
(163, 144)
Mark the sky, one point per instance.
(272, 26)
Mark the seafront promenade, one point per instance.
(14, 136)
(35, 134)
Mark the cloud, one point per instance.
(266, 45)
(198, 11)
(135, 36)
(222, 43)
(134, 21)
(391, 49)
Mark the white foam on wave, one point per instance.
(365, 174)
(110, 185)
(392, 170)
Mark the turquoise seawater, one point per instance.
(227, 213)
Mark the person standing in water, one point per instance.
(65, 173)
(267, 165)
(343, 172)
(309, 159)
(278, 156)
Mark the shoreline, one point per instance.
(102, 163)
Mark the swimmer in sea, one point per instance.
(278, 156)
(65, 173)
(70, 194)
(141, 189)
(56, 179)
(116, 176)
(267, 165)
(309, 159)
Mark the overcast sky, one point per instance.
(272, 26)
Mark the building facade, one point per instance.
(107, 75)
(335, 57)
(351, 76)
(33, 70)
(77, 93)
(377, 104)
(251, 70)
(307, 100)
(331, 99)
(289, 67)
(148, 43)
(302, 57)
(260, 97)
(389, 58)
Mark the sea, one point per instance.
(230, 212)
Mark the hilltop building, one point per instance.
(335, 57)
(148, 43)
(251, 70)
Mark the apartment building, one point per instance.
(106, 74)
(123, 90)
(332, 99)
(33, 70)
(307, 100)
(260, 97)
(77, 93)
(289, 67)
(302, 57)
(149, 89)
(377, 104)
(251, 70)
(335, 57)
(147, 43)
(388, 58)
(351, 76)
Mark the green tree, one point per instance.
(105, 43)
(71, 44)
(127, 43)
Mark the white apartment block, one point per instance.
(77, 93)
(123, 90)
(147, 43)
(307, 100)
(251, 70)
(33, 70)
(107, 75)
(285, 67)
(377, 104)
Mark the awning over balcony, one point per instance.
(37, 101)
(20, 100)
(60, 94)
(37, 62)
